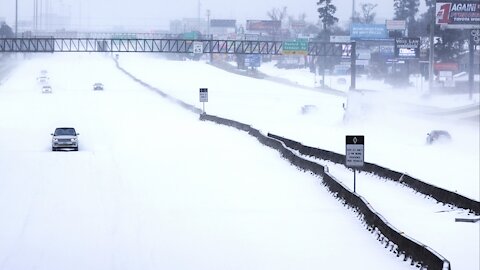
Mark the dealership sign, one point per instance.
(407, 48)
(396, 24)
(263, 25)
(223, 23)
(368, 31)
(445, 66)
(458, 14)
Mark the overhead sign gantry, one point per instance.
(173, 45)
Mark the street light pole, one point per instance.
(353, 10)
(16, 18)
(208, 21)
(431, 54)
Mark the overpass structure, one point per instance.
(55, 44)
(173, 45)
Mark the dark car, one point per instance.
(438, 135)
(65, 138)
(98, 86)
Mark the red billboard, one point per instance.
(458, 14)
(263, 25)
(445, 66)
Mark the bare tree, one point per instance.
(368, 15)
(277, 14)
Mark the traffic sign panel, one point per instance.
(354, 152)
(253, 60)
(203, 95)
(295, 47)
(198, 47)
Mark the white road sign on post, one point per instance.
(203, 97)
(354, 151)
(197, 47)
(354, 155)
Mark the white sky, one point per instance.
(157, 14)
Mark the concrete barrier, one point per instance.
(396, 241)
(437, 193)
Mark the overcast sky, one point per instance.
(156, 14)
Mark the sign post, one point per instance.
(354, 154)
(203, 97)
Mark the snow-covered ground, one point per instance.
(421, 218)
(394, 135)
(154, 188)
(395, 129)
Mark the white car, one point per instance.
(42, 79)
(46, 89)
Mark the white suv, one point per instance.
(65, 138)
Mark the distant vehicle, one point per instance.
(46, 89)
(98, 86)
(43, 72)
(438, 135)
(42, 79)
(65, 138)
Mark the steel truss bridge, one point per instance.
(49, 45)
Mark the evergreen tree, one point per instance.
(406, 10)
(326, 11)
(6, 31)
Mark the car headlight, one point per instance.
(73, 140)
(55, 140)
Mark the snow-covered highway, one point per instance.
(152, 187)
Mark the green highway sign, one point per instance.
(190, 35)
(298, 46)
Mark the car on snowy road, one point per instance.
(43, 79)
(46, 89)
(98, 86)
(65, 138)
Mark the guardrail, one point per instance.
(399, 243)
(439, 194)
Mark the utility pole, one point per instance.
(431, 54)
(33, 20)
(208, 21)
(198, 15)
(16, 18)
(40, 15)
(353, 9)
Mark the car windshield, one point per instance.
(64, 131)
